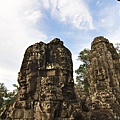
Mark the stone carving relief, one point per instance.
(46, 85)
(104, 84)
(47, 90)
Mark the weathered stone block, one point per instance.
(46, 83)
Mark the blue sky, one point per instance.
(76, 22)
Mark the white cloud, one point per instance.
(17, 32)
(109, 22)
(74, 12)
(18, 21)
(32, 16)
(114, 37)
(108, 17)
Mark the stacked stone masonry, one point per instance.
(104, 78)
(46, 83)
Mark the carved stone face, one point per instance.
(100, 74)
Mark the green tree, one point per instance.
(11, 96)
(82, 71)
(6, 97)
(3, 94)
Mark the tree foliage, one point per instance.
(3, 93)
(7, 97)
(82, 71)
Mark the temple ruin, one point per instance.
(104, 78)
(46, 85)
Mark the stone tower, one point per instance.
(46, 85)
(104, 78)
